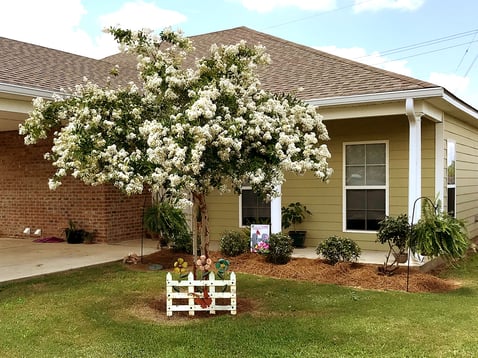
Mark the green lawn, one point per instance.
(103, 312)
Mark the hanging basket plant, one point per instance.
(439, 234)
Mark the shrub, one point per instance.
(280, 249)
(183, 242)
(394, 231)
(234, 243)
(336, 249)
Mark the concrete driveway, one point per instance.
(21, 258)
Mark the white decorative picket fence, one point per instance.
(227, 292)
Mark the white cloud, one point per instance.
(376, 5)
(134, 16)
(140, 14)
(460, 86)
(269, 5)
(374, 59)
(51, 23)
(56, 24)
(454, 83)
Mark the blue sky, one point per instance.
(432, 40)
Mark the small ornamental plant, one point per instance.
(262, 247)
(234, 243)
(338, 249)
(280, 249)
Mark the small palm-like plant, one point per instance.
(394, 231)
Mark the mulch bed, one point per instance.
(364, 276)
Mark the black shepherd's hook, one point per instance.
(435, 208)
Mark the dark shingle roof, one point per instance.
(34, 66)
(320, 74)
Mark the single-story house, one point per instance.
(394, 139)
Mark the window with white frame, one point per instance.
(253, 209)
(366, 185)
(451, 177)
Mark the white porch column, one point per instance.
(414, 159)
(276, 217)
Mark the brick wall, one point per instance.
(26, 201)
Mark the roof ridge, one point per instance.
(333, 57)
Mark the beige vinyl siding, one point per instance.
(466, 170)
(223, 214)
(395, 131)
(428, 160)
(324, 200)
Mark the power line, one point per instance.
(429, 43)
(472, 63)
(466, 52)
(321, 13)
(422, 53)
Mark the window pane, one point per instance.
(355, 154)
(373, 218)
(355, 220)
(376, 175)
(365, 209)
(376, 153)
(366, 164)
(376, 200)
(355, 175)
(356, 199)
(451, 202)
(254, 210)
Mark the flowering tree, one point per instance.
(186, 130)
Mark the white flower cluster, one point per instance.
(187, 129)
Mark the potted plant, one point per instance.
(75, 235)
(439, 234)
(394, 231)
(166, 222)
(293, 214)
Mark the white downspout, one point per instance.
(414, 159)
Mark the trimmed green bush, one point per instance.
(183, 242)
(338, 249)
(280, 249)
(234, 243)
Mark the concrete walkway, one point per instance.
(22, 258)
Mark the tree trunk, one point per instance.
(200, 201)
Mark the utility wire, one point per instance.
(472, 63)
(465, 53)
(321, 13)
(423, 53)
(429, 43)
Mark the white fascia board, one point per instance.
(425, 93)
(469, 110)
(17, 90)
(378, 97)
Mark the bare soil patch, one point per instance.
(315, 270)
